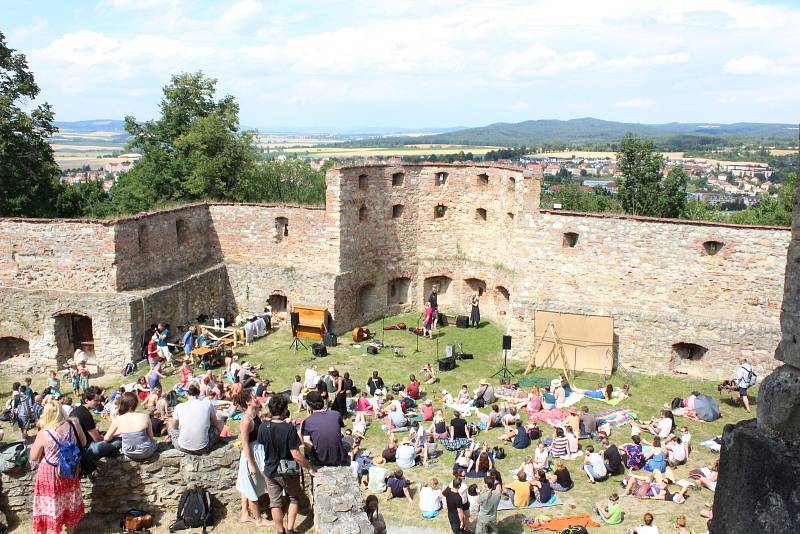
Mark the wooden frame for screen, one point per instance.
(588, 341)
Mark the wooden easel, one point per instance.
(556, 352)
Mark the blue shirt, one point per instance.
(188, 342)
(162, 341)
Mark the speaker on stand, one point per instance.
(503, 372)
(294, 318)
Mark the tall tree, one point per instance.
(29, 184)
(194, 151)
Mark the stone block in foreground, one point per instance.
(759, 483)
(338, 506)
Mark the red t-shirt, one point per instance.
(413, 390)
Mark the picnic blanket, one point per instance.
(611, 402)
(560, 523)
(687, 412)
(615, 418)
(456, 444)
(551, 417)
(711, 444)
(463, 409)
(508, 504)
(530, 381)
(511, 393)
(573, 398)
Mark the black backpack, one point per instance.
(575, 530)
(194, 510)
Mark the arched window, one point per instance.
(711, 248)
(398, 291)
(281, 228)
(11, 347)
(366, 299)
(480, 214)
(439, 210)
(441, 178)
(569, 240)
(141, 238)
(483, 180)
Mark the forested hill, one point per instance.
(589, 131)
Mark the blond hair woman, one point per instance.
(57, 500)
(430, 499)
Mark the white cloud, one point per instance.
(538, 60)
(23, 33)
(758, 64)
(636, 103)
(140, 5)
(242, 16)
(637, 60)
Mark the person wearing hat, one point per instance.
(426, 410)
(484, 394)
(322, 433)
(152, 351)
(245, 376)
(376, 476)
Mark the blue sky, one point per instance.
(331, 64)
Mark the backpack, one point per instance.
(13, 456)
(129, 368)
(69, 455)
(534, 433)
(194, 510)
(752, 377)
(473, 429)
(575, 530)
(499, 453)
(676, 403)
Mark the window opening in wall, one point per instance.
(366, 299)
(362, 181)
(398, 291)
(689, 351)
(483, 180)
(510, 216)
(480, 214)
(11, 347)
(439, 211)
(713, 247)
(278, 303)
(398, 179)
(181, 231)
(441, 178)
(570, 240)
(362, 213)
(73, 331)
(397, 211)
(281, 228)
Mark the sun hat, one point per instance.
(428, 402)
(484, 382)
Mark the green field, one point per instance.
(649, 393)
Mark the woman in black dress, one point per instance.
(475, 314)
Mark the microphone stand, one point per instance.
(416, 333)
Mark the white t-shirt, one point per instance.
(677, 452)
(540, 456)
(743, 375)
(430, 500)
(194, 420)
(312, 377)
(664, 427)
(644, 529)
(598, 466)
(405, 457)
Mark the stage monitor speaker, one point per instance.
(462, 321)
(506, 342)
(447, 364)
(449, 351)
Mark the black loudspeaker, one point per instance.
(506, 342)
(442, 319)
(294, 317)
(372, 349)
(319, 350)
(462, 321)
(330, 339)
(447, 364)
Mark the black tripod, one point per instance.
(503, 372)
(296, 344)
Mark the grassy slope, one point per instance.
(649, 393)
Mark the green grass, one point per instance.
(649, 393)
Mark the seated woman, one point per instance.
(135, 429)
(510, 417)
(464, 460)
(464, 396)
(558, 393)
(364, 405)
(151, 401)
(656, 457)
(632, 454)
(542, 488)
(426, 410)
(560, 479)
(438, 428)
(708, 476)
(484, 462)
(534, 403)
(491, 420)
(390, 452)
(430, 499)
(572, 440)
(594, 465)
(548, 399)
(559, 448)
(541, 457)
(565, 385)
(428, 374)
(661, 427)
(527, 467)
(430, 450)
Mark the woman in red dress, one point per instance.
(57, 501)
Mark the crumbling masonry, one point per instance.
(684, 295)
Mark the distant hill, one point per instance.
(595, 131)
(96, 125)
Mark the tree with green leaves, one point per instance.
(643, 189)
(194, 151)
(29, 175)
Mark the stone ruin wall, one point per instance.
(156, 484)
(361, 260)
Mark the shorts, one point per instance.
(213, 439)
(430, 515)
(278, 484)
(164, 352)
(742, 392)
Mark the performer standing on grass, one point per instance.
(475, 313)
(428, 320)
(433, 299)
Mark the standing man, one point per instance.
(163, 349)
(434, 300)
(189, 344)
(488, 500)
(455, 506)
(745, 377)
(282, 463)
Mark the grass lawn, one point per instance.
(649, 393)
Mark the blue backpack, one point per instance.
(69, 455)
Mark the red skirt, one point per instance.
(57, 501)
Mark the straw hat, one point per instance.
(406, 441)
(428, 402)
(484, 382)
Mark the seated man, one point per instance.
(594, 465)
(397, 486)
(610, 512)
(194, 426)
(395, 418)
(322, 433)
(96, 446)
(519, 490)
(406, 455)
(413, 387)
(587, 423)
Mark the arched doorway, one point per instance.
(366, 300)
(73, 331)
(398, 291)
(279, 304)
(11, 347)
(443, 292)
(502, 300)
